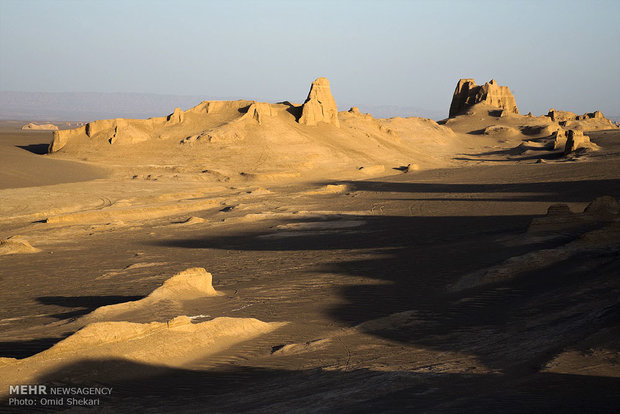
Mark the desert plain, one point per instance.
(243, 256)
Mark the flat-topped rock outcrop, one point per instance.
(467, 94)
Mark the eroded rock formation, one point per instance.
(320, 105)
(467, 93)
(576, 140)
(572, 140)
(588, 121)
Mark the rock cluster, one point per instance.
(467, 93)
(320, 105)
(572, 140)
(563, 116)
(588, 121)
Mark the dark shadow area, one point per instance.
(39, 149)
(244, 110)
(533, 129)
(377, 232)
(517, 151)
(552, 156)
(82, 304)
(553, 191)
(140, 387)
(293, 109)
(25, 349)
(513, 326)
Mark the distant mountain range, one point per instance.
(90, 106)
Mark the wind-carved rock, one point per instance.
(467, 93)
(259, 111)
(176, 117)
(320, 105)
(586, 122)
(576, 140)
(572, 140)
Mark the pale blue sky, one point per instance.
(564, 54)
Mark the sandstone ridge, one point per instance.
(209, 121)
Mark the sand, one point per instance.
(459, 273)
(21, 164)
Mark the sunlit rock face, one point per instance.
(467, 93)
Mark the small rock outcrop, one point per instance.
(571, 140)
(561, 116)
(586, 122)
(576, 140)
(16, 245)
(175, 117)
(467, 93)
(559, 139)
(320, 105)
(259, 111)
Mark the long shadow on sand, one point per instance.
(39, 149)
(513, 326)
(24, 349)
(552, 191)
(86, 303)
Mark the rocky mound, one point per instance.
(572, 140)
(320, 105)
(467, 94)
(40, 127)
(587, 122)
(16, 245)
(159, 342)
(501, 130)
(190, 284)
(173, 344)
(193, 124)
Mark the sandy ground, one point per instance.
(22, 166)
(426, 291)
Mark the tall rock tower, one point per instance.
(320, 105)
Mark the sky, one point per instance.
(562, 54)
